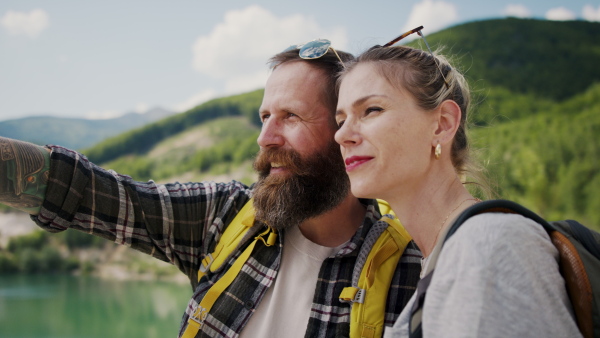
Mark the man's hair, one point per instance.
(328, 63)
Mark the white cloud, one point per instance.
(194, 100)
(141, 108)
(29, 24)
(432, 15)
(102, 115)
(517, 10)
(237, 49)
(589, 13)
(248, 81)
(560, 14)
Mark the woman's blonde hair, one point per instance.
(430, 80)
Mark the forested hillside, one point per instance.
(141, 140)
(549, 59)
(549, 161)
(206, 151)
(536, 95)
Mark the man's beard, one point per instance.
(310, 187)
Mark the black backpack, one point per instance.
(579, 250)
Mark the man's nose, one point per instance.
(270, 135)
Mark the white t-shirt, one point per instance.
(285, 308)
(497, 276)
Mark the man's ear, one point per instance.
(448, 121)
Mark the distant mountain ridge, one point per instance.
(76, 133)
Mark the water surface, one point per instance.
(67, 306)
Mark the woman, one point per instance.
(402, 114)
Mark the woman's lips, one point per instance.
(354, 162)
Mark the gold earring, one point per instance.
(438, 151)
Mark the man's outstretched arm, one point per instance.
(24, 169)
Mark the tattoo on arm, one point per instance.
(24, 170)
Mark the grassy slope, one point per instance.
(141, 140)
(209, 151)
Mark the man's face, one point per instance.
(301, 171)
(294, 111)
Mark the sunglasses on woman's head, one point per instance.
(418, 31)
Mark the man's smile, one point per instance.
(277, 167)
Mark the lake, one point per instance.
(70, 306)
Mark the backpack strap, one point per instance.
(572, 240)
(588, 238)
(230, 239)
(579, 249)
(503, 206)
(228, 242)
(386, 209)
(415, 329)
(368, 312)
(236, 231)
(368, 297)
(571, 266)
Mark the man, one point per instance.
(302, 193)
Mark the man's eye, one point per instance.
(340, 123)
(264, 117)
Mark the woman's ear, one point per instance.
(448, 121)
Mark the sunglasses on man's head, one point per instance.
(314, 49)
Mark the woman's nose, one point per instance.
(347, 135)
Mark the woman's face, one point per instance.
(386, 139)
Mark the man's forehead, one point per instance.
(301, 71)
(295, 83)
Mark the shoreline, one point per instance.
(111, 262)
(14, 223)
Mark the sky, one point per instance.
(101, 59)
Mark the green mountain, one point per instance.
(549, 59)
(549, 161)
(218, 149)
(141, 140)
(536, 94)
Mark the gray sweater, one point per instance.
(497, 276)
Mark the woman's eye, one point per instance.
(372, 110)
(340, 123)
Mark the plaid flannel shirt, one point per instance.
(181, 223)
